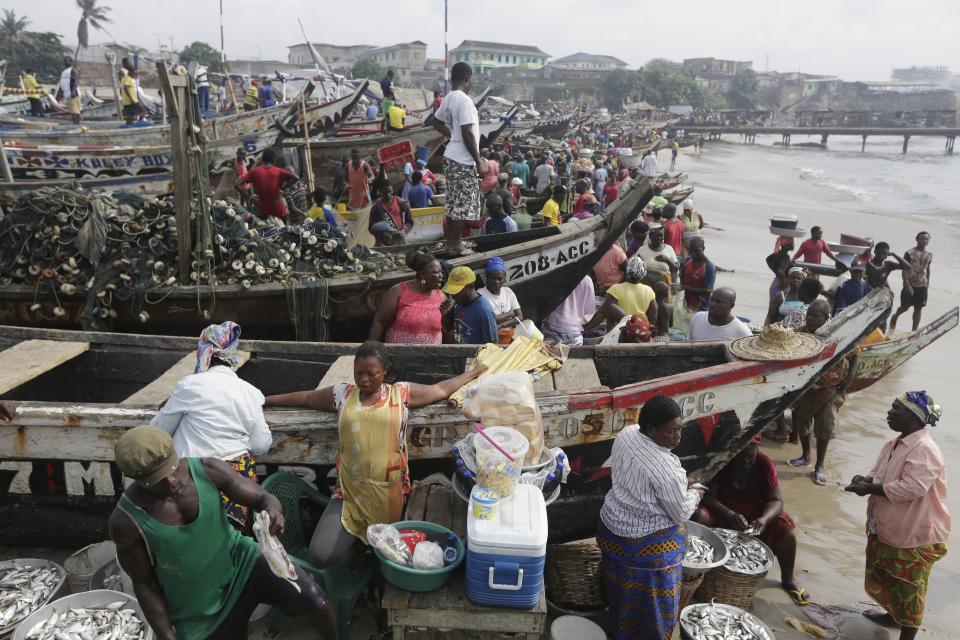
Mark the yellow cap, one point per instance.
(459, 278)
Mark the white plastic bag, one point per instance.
(386, 539)
(507, 400)
(427, 555)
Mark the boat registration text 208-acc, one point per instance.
(537, 264)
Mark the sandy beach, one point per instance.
(737, 188)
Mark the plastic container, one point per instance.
(422, 153)
(88, 599)
(421, 579)
(83, 564)
(505, 555)
(484, 503)
(576, 628)
(25, 563)
(494, 470)
(412, 538)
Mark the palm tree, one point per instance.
(11, 28)
(91, 15)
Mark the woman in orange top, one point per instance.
(359, 175)
(907, 519)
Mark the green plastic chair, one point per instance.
(341, 586)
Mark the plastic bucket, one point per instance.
(576, 628)
(423, 153)
(83, 564)
(494, 470)
(484, 503)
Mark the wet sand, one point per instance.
(737, 188)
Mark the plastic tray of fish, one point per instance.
(98, 614)
(748, 555)
(722, 622)
(26, 584)
(705, 549)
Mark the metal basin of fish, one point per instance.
(26, 584)
(709, 621)
(703, 537)
(112, 601)
(747, 554)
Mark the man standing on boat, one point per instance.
(194, 576)
(69, 88)
(214, 414)
(648, 165)
(463, 167)
(268, 181)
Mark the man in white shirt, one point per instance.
(457, 118)
(214, 414)
(648, 166)
(658, 256)
(718, 323)
(543, 174)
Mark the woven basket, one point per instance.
(688, 587)
(727, 587)
(573, 575)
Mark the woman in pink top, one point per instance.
(907, 519)
(491, 179)
(411, 311)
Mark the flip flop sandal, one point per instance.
(799, 597)
(798, 462)
(820, 478)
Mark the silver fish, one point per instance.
(273, 550)
(111, 622)
(746, 554)
(698, 551)
(710, 622)
(23, 590)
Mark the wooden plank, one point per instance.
(546, 383)
(161, 388)
(576, 373)
(340, 371)
(460, 613)
(417, 502)
(31, 358)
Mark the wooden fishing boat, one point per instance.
(151, 184)
(552, 126)
(543, 266)
(633, 160)
(84, 390)
(327, 153)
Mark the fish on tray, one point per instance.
(698, 551)
(112, 622)
(746, 554)
(710, 622)
(23, 590)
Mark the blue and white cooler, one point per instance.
(505, 555)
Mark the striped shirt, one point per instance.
(649, 490)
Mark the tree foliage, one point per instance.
(91, 15)
(201, 53)
(662, 85)
(22, 49)
(744, 91)
(617, 86)
(367, 68)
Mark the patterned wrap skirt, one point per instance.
(238, 515)
(463, 190)
(642, 577)
(897, 578)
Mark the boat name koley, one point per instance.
(547, 260)
(80, 478)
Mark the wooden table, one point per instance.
(449, 608)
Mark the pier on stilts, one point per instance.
(749, 134)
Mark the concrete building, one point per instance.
(339, 57)
(588, 62)
(484, 56)
(716, 74)
(406, 59)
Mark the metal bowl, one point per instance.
(26, 563)
(720, 551)
(770, 556)
(687, 629)
(84, 600)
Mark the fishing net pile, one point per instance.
(121, 247)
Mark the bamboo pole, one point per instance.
(306, 140)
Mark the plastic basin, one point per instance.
(420, 579)
(26, 563)
(87, 599)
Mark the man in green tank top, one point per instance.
(196, 577)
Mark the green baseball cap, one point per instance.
(146, 455)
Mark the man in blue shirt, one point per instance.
(852, 290)
(419, 194)
(472, 320)
(386, 85)
(499, 221)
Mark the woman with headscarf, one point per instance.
(642, 534)
(214, 414)
(505, 305)
(373, 479)
(907, 519)
(411, 312)
(788, 300)
(628, 298)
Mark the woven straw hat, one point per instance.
(777, 342)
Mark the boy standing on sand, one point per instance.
(915, 281)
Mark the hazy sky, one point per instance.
(855, 39)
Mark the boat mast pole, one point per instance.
(223, 66)
(112, 61)
(446, 53)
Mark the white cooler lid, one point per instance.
(520, 524)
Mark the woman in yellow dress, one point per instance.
(373, 477)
